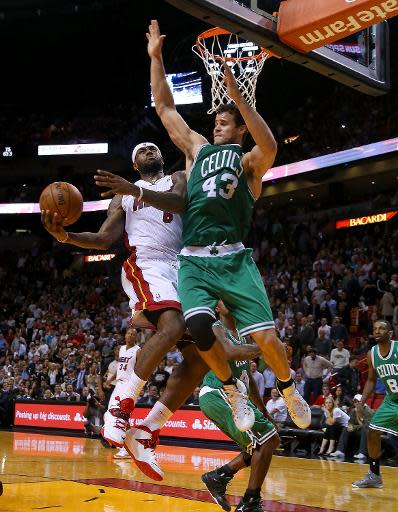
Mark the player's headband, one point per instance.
(141, 146)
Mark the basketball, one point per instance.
(64, 199)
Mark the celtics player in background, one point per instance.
(382, 363)
(258, 443)
(216, 199)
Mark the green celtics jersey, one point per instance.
(219, 201)
(387, 368)
(240, 369)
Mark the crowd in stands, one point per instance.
(61, 326)
(123, 126)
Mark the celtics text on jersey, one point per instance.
(219, 200)
(387, 368)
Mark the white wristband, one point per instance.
(141, 193)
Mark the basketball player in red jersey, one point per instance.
(149, 278)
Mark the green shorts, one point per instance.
(216, 407)
(385, 419)
(235, 279)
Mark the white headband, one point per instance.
(140, 146)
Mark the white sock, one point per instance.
(157, 417)
(133, 387)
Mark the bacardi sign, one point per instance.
(93, 258)
(366, 219)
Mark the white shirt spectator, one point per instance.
(43, 348)
(340, 417)
(276, 407)
(326, 329)
(339, 357)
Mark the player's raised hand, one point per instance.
(115, 183)
(155, 40)
(53, 224)
(230, 82)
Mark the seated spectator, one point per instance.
(336, 420)
(325, 328)
(341, 400)
(71, 396)
(47, 395)
(349, 377)
(150, 398)
(276, 408)
(160, 376)
(58, 393)
(340, 356)
(326, 392)
(169, 367)
(194, 398)
(314, 366)
(356, 430)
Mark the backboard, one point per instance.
(360, 61)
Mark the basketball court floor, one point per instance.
(72, 474)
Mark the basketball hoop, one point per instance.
(217, 46)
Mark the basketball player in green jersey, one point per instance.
(382, 363)
(258, 443)
(217, 203)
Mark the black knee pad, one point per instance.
(201, 328)
(247, 459)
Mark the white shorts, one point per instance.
(150, 284)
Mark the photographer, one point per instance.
(94, 414)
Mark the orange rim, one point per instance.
(217, 31)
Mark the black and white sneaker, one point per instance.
(217, 487)
(253, 505)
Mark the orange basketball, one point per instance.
(64, 199)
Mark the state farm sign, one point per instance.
(366, 219)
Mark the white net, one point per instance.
(216, 47)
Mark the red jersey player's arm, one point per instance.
(172, 201)
(110, 231)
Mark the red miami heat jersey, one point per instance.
(151, 232)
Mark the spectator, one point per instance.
(326, 392)
(314, 366)
(257, 377)
(336, 420)
(300, 382)
(340, 356)
(349, 377)
(324, 327)
(269, 381)
(58, 393)
(151, 397)
(323, 344)
(71, 396)
(276, 408)
(356, 430)
(47, 395)
(160, 376)
(338, 331)
(341, 400)
(305, 334)
(193, 399)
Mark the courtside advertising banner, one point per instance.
(365, 219)
(191, 424)
(49, 415)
